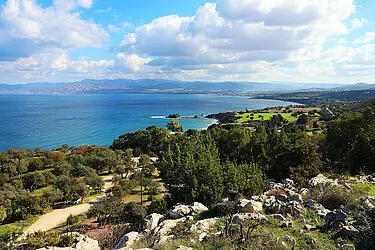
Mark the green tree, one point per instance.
(174, 126)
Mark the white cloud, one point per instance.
(68, 5)
(235, 31)
(130, 62)
(236, 40)
(48, 28)
(359, 22)
(109, 9)
(85, 3)
(114, 28)
(127, 25)
(368, 37)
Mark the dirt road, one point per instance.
(58, 216)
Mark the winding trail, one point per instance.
(58, 216)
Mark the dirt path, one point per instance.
(58, 216)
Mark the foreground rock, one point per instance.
(83, 243)
(127, 241)
(180, 211)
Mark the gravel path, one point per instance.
(58, 216)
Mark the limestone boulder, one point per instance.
(83, 243)
(242, 217)
(197, 208)
(321, 179)
(152, 221)
(203, 226)
(179, 211)
(127, 241)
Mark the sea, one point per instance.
(48, 121)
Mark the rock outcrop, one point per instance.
(83, 243)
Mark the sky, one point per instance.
(311, 41)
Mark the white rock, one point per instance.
(202, 236)
(197, 208)
(127, 241)
(164, 239)
(242, 217)
(184, 248)
(253, 207)
(368, 204)
(165, 227)
(203, 226)
(152, 221)
(84, 243)
(241, 204)
(321, 179)
(179, 211)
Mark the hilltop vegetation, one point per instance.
(217, 167)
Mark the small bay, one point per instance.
(48, 121)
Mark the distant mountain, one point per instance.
(358, 86)
(161, 86)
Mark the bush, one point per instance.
(72, 220)
(225, 208)
(158, 206)
(332, 197)
(67, 240)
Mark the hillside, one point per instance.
(155, 86)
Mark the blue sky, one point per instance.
(325, 41)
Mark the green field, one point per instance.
(265, 116)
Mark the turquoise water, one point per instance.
(48, 121)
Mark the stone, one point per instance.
(179, 211)
(268, 202)
(286, 223)
(321, 179)
(336, 215)
(311, 241)
(163, 240)
(288, 183)
(127, 240)
(184, 248)
(165, 227)
(309, 227)
(253, 207)
(197, 208)
(241, 204)
(347, 247)
(304, 192)
(152, 221)
(256, 198)
(202, 236)
(84, 243)
(278, 217)
(242, 217)
(289, 240)
(368, 204)
(318, 208)
(203, 226)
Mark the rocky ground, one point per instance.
(284, 217)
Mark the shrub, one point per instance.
(159, 206)
(72, 220)
(224, 208)
(67, 240)
(364, 189)
(332, 197)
